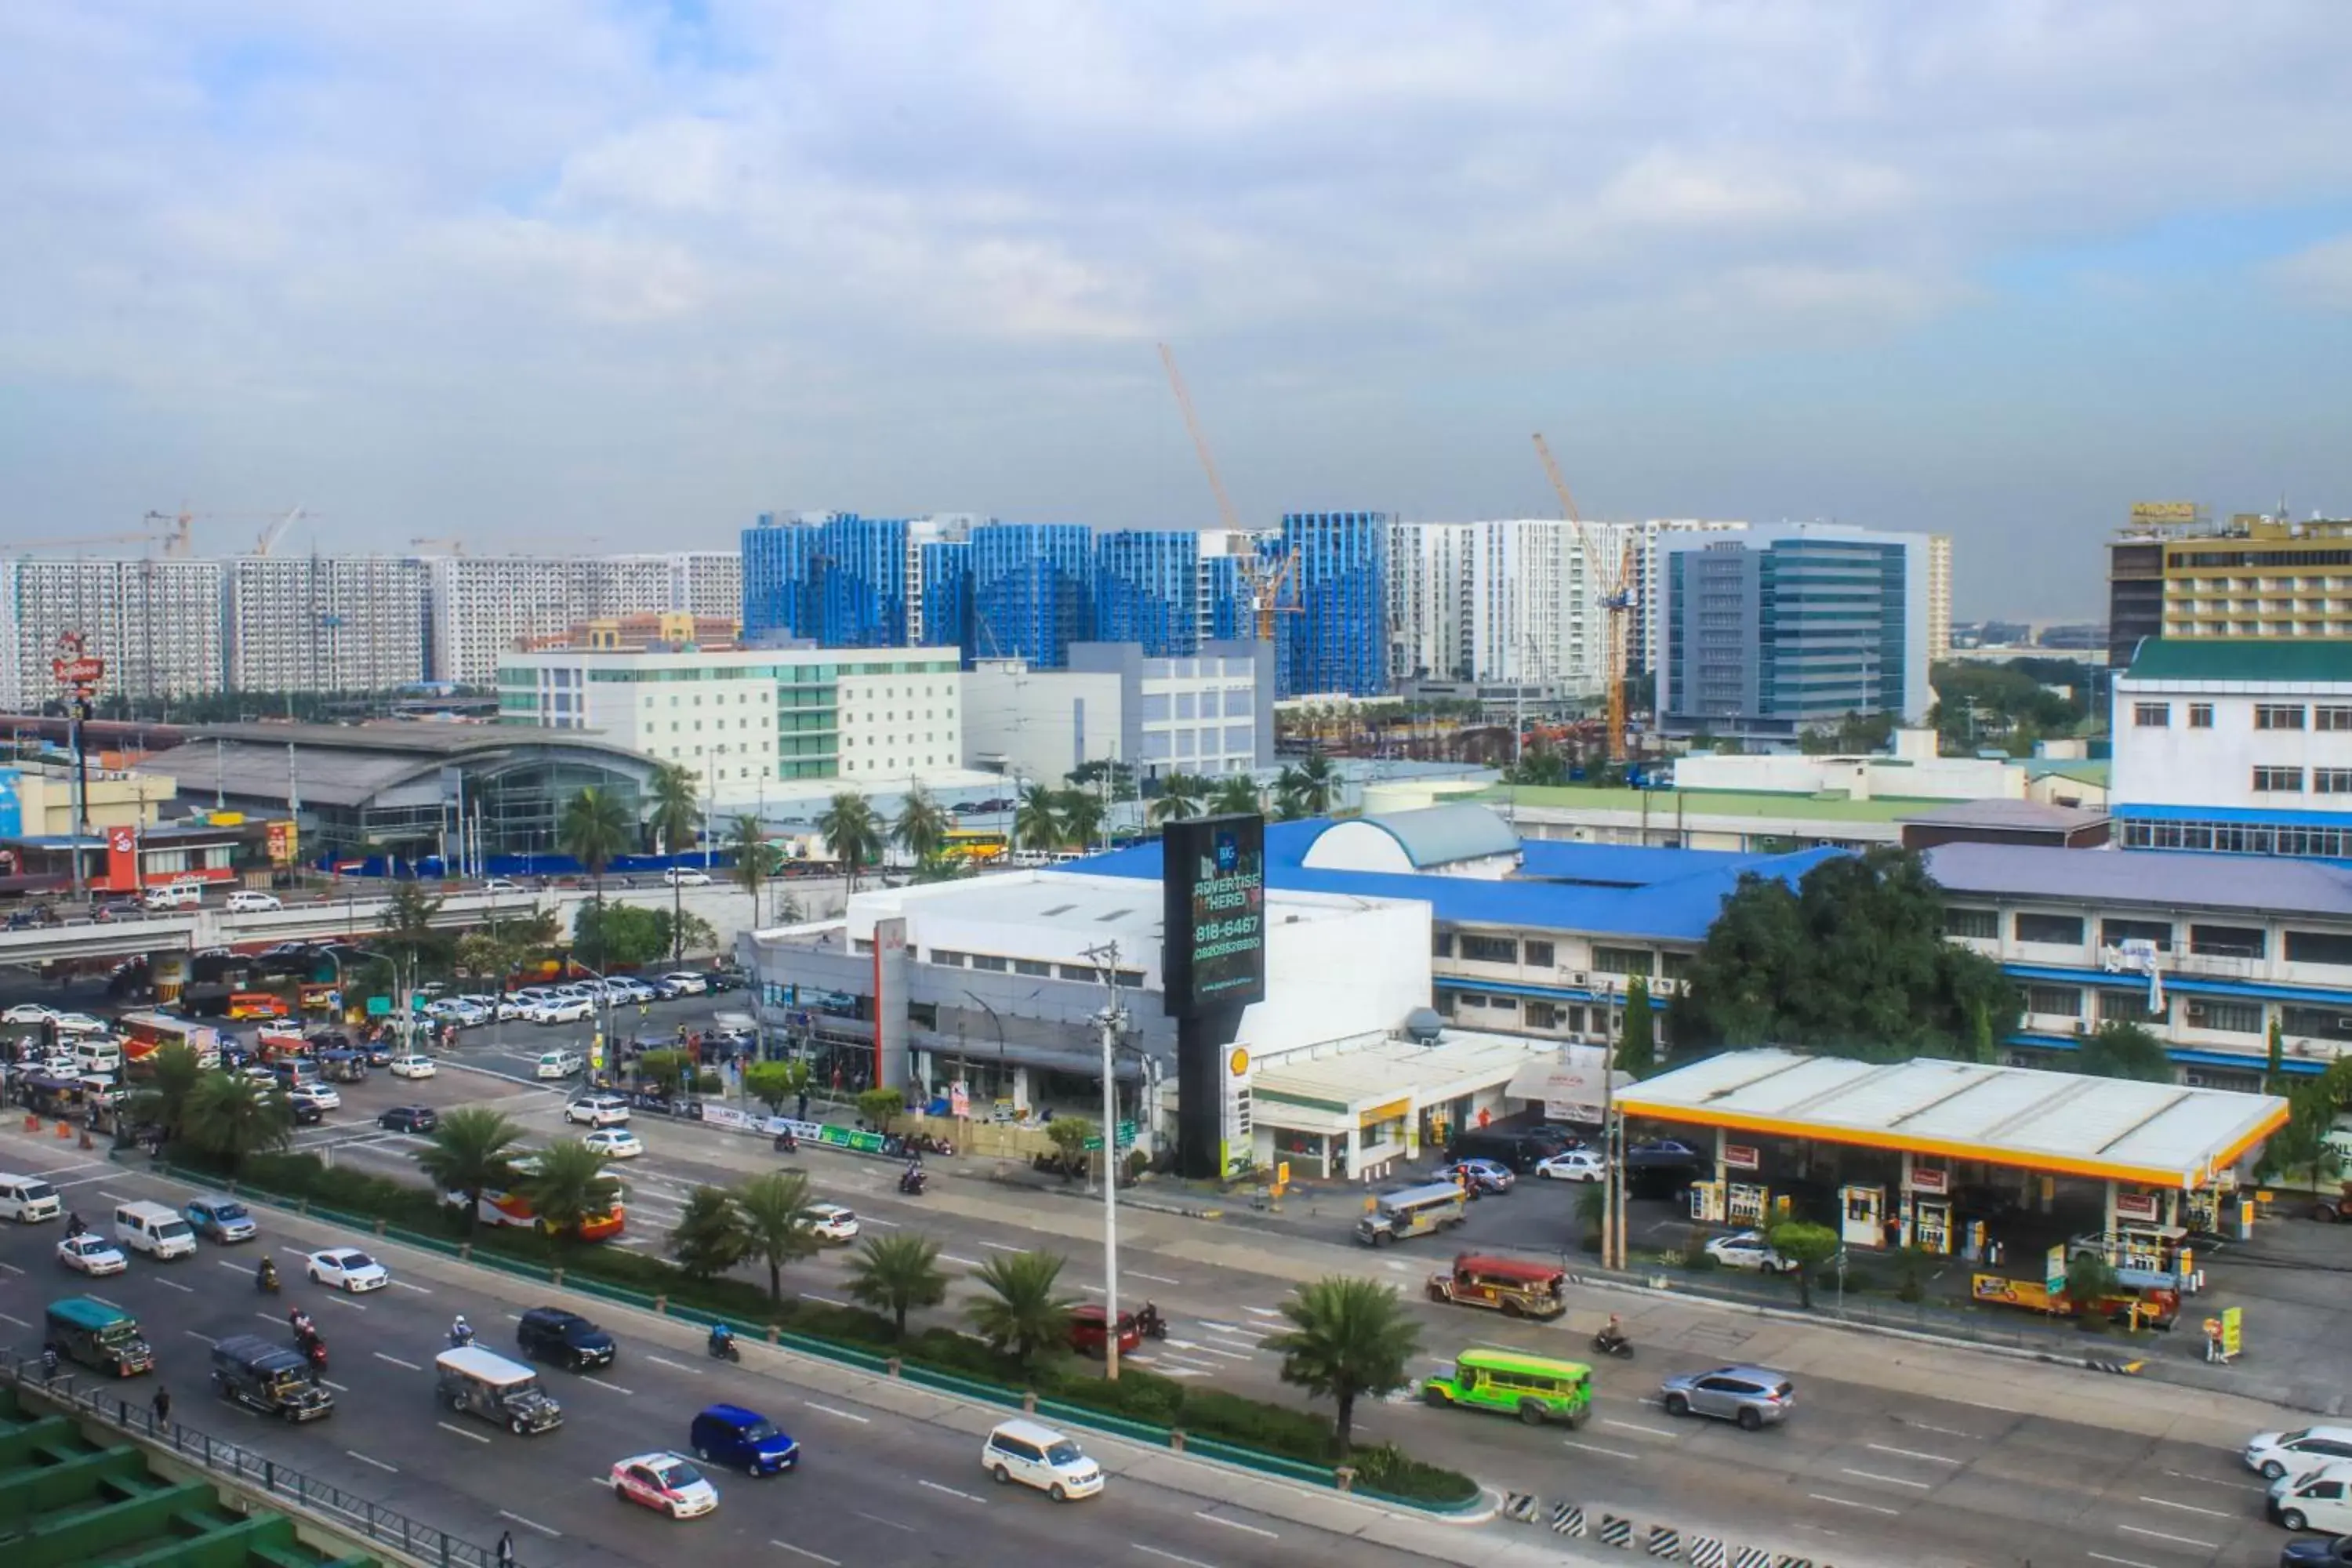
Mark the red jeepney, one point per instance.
(1091, 1327)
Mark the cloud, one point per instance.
(2318, 275)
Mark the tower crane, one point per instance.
(1264, 583)
(1614, 578)
(275, 531)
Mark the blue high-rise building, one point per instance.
(1225, 610)
(839, 580)
(1338, 639)
(1148, 590)
(1032, 591)
(946, 570)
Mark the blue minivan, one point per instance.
(743, 1440)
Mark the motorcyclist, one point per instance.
(266, 1275)
(722, 1339)
(1149, 1321)
(299, 1322)
(1612, 1334)
(461, 1332)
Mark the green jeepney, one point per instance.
(99, 1336)
(1534, 1388)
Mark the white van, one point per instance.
(98, 1056)
(174, 896)
(154, 1230)
(26, 1199)
(1039, 1456)
(559, 1064)
(2315, 1500)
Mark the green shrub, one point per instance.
(1139, 1396)
(944, 1349)
(1255, 1424)
(1382, 1468)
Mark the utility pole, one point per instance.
(1111, 1019)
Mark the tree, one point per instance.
(230, 1117)
(1021, 1315)
(921, 829)
(569, 1186)
(2275, 1059)
(1080, 813)
(1850, 962)
(666, 1071)
(1309, 786)
(1070, 1134)
(747, 842)
(775, 1210)
(408, 932)
(676, 812)
(1808, 1246)
(682, 932)
(2090, 1281)
(708, 1238)
(881, 1107)
(849, 829)
(894, 1273)
(2118, 1049)
(174, 1072)
(1037, 825)
(1637, 1046)
(1540, 767)
(1180, 795)
(774, 1083)
(1236, 795)
(472, 1152)
(2302, 1146)
(622, 936)
(594, 829)
(1348, 1338)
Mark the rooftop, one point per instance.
(2158, 1134)
(1443, 834)
(2164, 880)
(2288, 659)
(1391, 1069)
(2009, 817)
(348, 764)
(1663, 803)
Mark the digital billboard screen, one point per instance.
(1214, 883)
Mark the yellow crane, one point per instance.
(1614, 579)
(1264, 583)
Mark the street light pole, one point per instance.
(1111, 1018)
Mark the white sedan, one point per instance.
(412, 1067)
(78, 1024)
(666, 1481)
(347, 1268)
(1747, 1249)
(686, 983)
(1574, 1165)
(91, 1255)
(614, 1143)
(28, 1013)
(317, 1094)
(831, 1221)
(562, 1010)
(686, 877)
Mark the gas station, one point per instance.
(1965, 1158)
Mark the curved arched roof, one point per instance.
(1439, 835)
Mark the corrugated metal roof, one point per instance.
(1711, 803)
(2303, 659)
(2164, 879)
(1442, 834)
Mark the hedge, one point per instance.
(1141, 1396)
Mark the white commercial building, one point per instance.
(1909, 769)
(1939, 597)
(325, 622)
(1208, 715)
(1513, 600)
(482, 605)
(156, 623)
(745, 718)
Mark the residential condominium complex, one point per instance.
(2173, 573)
(1511, 601)
(1169, 590)
(1775, 631)
(1335, 641)
(482, 606)
(840, 580)
(156, 623)
(743, 718)
(327, 623)
(1032, 591)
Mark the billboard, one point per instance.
(2162, 511)
(1212, 885)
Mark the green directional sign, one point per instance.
(1125, 1137)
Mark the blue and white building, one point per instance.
(1032, 591)
(1338, 639)
(1147, 589)
(835, 579)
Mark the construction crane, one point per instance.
(275, 531)
(1264, 584)
(1614, 579)
(140, 538)
(452, 546)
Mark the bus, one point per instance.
(144, 1033)
(513, 1208)
(974, 845)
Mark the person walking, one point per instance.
(506, 1548)
(162, 1405)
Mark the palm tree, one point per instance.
(1236, 795)
(174, 1073)
(678, 811)
(849, 827)
(1348, 1338)
(1035, 824)
(893, 1273)
(746, 841)
(1314, 782)
(775, 1210)
(708, 1238)
(1081, 814)
(594, 830)
(1021, 1315)
(921, 829)
(1180, 795)
(230, 1116)
(472, 1152)
(569, 1186)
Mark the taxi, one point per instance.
(668, 1482)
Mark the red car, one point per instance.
(1089, 1329)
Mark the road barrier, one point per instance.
(1707, 1552)
(1665, 1543)
(1519, 1506)
(1567, 1519)
(1614, 1531)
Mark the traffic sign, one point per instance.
(1125, 1137)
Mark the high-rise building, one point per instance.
(156, 623)
(1147, 584)
(944, 570)
(1032, 591)
(326, 623)
(1338, 640)
(1643, 627)
(2173, 573)
(1228, 614)
(836, 578)
(482, 605)
(1777, 630)
(1939, 598)
(1515, 601)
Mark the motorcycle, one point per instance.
(265, 1281)
(1151, 1323)
(460, 1337)
(723, 1347)
(912, 1183)
(314, 1350)
(787, 1144)
(1618, 1346)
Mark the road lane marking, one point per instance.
(2177, 1540)
(174, 1284)
(470, 1436)
(2187, 1507)
(404, 1285)
(118, 1197)
(379, 1464)
(1167, 1556)
(1890, 1481)
(396, 1360)
(813, 1296)
(1092, 1290)
(1235, 1524)
(829, 1410)
(269, 1317)
(885, 1224)
(338, 1388)
(600, 1383)
(11, 1267)
(531, 1524)
(2221, 1481)
(341, 1299)
(2120, 1561)
(893, 1523)
(1865, 1507)
(1260, 1312)
(19, 1321)
(675, 1365)
(1637, 1427)
(804, 1552)
(1155, 1279)
(960, 1262)
(936, 1486)
(190, 1332)
(1942, 1431)
(1229, 1355)
(1910, 1454)
(1598, 1449)
(240, 1268)
(1002, 1247)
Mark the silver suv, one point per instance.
(1752, 1396)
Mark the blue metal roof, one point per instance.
(2163, 879)
(1539, 993)
(2248, 815)
(2032, 1041)
(1670, 895)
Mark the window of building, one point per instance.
(950, 957)
(2228, 941)
(2320, 947)
(2152, 715)
(2278, 715)
(1029, 966)
(2058, 930)
(2128, 1007)
(2278, 781)
(2227, 1017)
(1979, 925)
(1540, 955)
(1476, 949)
(1441, 944)
(2332, 781)
(1469, 999)
(2055, 1001)
(988, 961)
(2116, 932)
(1620, 959)
(2316, 1023)
(1543, 1015)
(2331, 716)
(2200, 715)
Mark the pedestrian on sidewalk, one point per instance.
(506, 1548)
(161, 1405)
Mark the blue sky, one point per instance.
(555, 268)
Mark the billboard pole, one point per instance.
(1111, 1018)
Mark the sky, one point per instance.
(562, 274)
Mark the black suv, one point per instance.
(409, 1119)
(551, 1333)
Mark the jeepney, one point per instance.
(1534, 1388)
(1411, 1211)
(269, 1378)
(1515, 1286)
(104, 1338)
